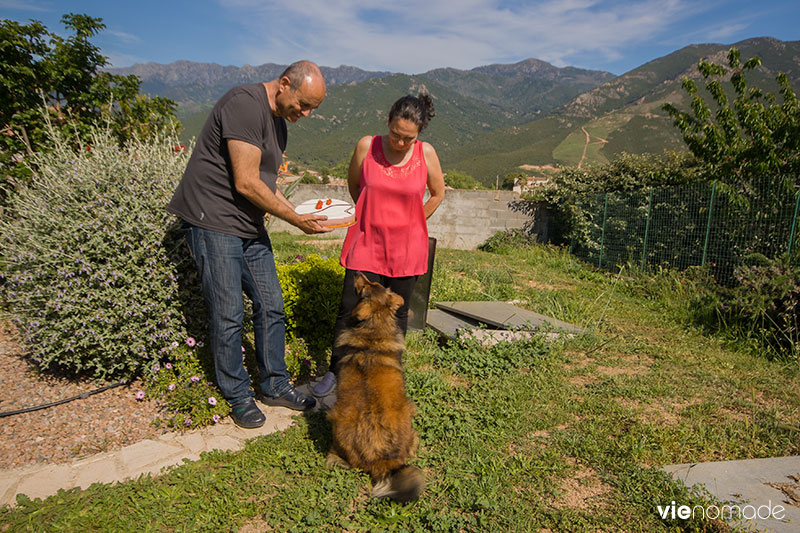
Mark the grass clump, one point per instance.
(470, 357)
(507, 241)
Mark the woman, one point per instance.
(389, 241)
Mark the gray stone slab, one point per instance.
(503, 315)
(448, 324)
(744, 483)
(454, 326)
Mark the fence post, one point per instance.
(794, 221)
(603, 234)
(646, 228)
(708, 224)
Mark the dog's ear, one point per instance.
(395, 300)
(360, 283)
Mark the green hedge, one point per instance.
(312, 290)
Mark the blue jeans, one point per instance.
(228, 265)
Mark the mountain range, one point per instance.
(492, 119)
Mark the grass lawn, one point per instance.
(566, 436)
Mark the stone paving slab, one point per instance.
(745, 483)
(506, 316)
(146, 457)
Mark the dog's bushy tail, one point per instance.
(404, 485)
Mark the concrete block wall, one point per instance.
(463, 221)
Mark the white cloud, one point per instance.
(116, 59)
(124, 37)
(418, 35)
(726, 32)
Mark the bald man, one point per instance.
(227, 188)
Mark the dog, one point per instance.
(371, 418)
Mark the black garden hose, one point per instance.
(83, 395)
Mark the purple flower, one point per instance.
(191, 342)
(187, 422)
(171, 386)
(195, 379)
(242, 349)
(156, 367)
(212, 400)
(140, 395)
(168, 366)
(215, 418)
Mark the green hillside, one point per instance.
(623, 115)
(352, 111)
(502, 151)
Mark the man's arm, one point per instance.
(245, 160)
(283, 199)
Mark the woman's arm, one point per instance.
(435, 180)
(354, 173)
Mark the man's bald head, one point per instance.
(302, 72)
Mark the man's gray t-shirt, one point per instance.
(206, 196)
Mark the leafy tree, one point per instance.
(41, 70)
(567, 190)
(460, 180)
(309, 178)
(341, 170)
(751, 137)
(511, 179)
(325, 175)
(627, 172)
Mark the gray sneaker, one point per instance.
(325, 385)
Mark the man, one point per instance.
(227, 188)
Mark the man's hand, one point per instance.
(310, 224)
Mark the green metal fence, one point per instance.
(688, 225)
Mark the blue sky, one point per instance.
(414, 36)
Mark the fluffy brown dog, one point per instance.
(372, 416)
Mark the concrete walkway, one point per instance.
(763, 492)
(145, 457)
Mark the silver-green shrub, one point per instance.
(91, 264)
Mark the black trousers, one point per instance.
(403, 286)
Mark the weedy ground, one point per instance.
(527, 436)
